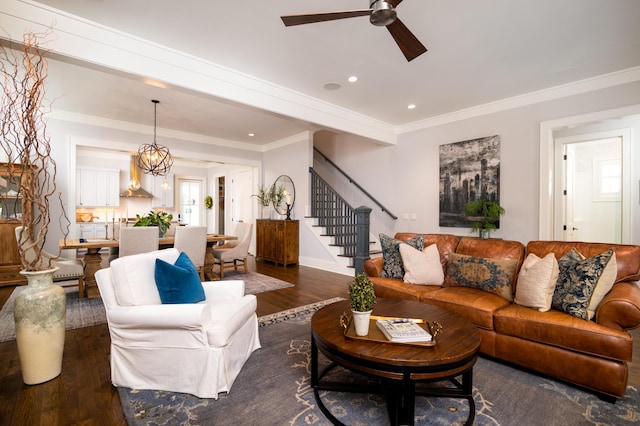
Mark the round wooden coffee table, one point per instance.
(397, 367)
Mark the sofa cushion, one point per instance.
(564, 331)
(537, 282)
(134, 277)
(178, 282)
(421, 267)
(577, 280)
(478, 306)
(491, 275)
(391, 260)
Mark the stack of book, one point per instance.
(403, 330)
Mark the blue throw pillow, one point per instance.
(180, 282)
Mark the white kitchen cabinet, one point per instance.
(163, 197)
(98, 187)
(92, 230)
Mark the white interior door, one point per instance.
(241, 201)
(589, 192)
(191, 208)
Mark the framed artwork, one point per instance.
(469, 171)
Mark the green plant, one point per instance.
(208, 201)
(277, 194)
(485, 213)
(264, 195)
(155, 218)
(362, 296)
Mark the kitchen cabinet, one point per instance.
(162, 194)
(277, 241)
(92, 230)
(98, 187)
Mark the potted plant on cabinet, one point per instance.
(40, 307)
(155, 218)
(265, 198)
(362, 297)
(486, 215)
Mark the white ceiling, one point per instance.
(479, 52)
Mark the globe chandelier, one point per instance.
(154, 159)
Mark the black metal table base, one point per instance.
(400, 394)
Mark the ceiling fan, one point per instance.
(381, 13)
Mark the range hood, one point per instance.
(135, 189)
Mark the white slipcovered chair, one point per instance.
(196, 348)
(68, 269)
(234, 251)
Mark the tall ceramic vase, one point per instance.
(361, 322)
(40, 314)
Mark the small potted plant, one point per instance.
(155, 218)
(362, 297)
(485, 214)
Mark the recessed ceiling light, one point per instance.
(332, 86)
(411, 106)
(353, 79)
(252, 134)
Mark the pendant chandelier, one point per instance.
(154, 159)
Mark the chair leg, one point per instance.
(201, 270)
(81, 288)
(221, 269)
(244, 262)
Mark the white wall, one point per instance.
(405, 177)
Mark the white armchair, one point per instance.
(196, 348)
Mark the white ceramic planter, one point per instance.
(40, 318)
(361, 322)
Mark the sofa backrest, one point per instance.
(627, 256)
(134, 277)
(446, 243)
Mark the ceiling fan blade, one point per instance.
(406, 41)
(290, 20)
(394, 3)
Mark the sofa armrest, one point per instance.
(373, 267)
(223, 290)
(171, 316)
(620, 308)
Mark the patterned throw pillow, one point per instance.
(491, 275)
(577, 280)
(391, 260)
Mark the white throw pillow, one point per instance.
(134, 279)
(537, 282)
(422, 267)
(605, 282)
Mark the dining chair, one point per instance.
(234, 251)
(192, 240)
(138, 239)
(68, 269)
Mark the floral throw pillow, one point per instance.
(577, 280)
(491, 275)
(392, 266)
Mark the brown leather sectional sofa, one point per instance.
(591, 354)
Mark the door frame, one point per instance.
(546, 206)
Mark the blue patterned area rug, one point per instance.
(274, 389)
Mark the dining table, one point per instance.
(94, 261)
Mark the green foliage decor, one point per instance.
(264, 195)
(488, 213)
(155, 218)
(208, 202)
(362, 296)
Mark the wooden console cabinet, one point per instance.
(277, 241)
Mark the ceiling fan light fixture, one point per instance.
(154, 159)
(382, 13)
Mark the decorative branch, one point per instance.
(23, 136)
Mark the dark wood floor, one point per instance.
(83, 394)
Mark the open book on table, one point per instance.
(403, 330)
